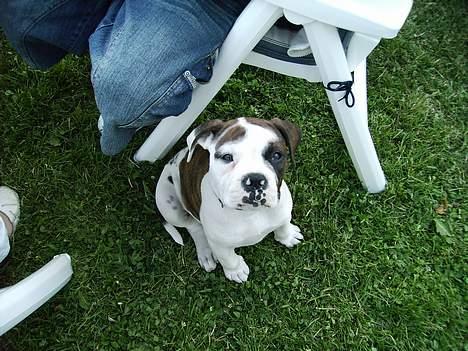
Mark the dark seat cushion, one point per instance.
(277, 48)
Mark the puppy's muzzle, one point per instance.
(253, 182)
(255, 185)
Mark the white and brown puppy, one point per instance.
(227, 189)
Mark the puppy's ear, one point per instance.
(203, 135)
(291, 134)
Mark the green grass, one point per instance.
(375, 272)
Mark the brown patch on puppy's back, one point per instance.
(191, 175)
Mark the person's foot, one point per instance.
(9, 208)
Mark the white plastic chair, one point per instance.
(20, 300)
(335, 56)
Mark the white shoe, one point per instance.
(100, 124)
(9, 208)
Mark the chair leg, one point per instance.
(352, 121)
(250, 27)
(360, 91)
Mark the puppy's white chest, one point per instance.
(255, 229)
(237, 228)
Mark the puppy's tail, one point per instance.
(173, 232)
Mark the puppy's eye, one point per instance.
(227, 158)
(276, 156)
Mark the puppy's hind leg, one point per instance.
(170, 207)
(175, 215)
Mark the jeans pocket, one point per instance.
(172, 102)
(177, 97)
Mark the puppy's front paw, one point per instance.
(239, 274)
(206, 259)
(289, 235)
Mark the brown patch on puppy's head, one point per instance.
(289, 132)
(289, 136)
(230, 134)
(196, 164)
(202, 135)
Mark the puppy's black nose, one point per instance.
(254, 181)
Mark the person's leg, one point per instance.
(9, 216)
(44, 31)
(148, 56)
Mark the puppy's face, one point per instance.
(248, 158)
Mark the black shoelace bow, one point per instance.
(345, 86)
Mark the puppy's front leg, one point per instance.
(204, 252)
(289, 235)
(234, 266)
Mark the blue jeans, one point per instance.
(147, 55)
(44, 31)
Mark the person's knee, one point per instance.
(133, 99)
(116, 93)
(128, 102)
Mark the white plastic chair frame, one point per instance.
(20, 300)
(369, 20)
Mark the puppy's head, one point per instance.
(248, 158)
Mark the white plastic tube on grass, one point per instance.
(20, 300)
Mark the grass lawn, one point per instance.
(375, 272)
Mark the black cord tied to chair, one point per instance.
(345, 86)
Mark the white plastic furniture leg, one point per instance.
(352, 121)
(360, 91)
(250, 28)
(20, 300)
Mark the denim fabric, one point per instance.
(44, 31)
(148, 56)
